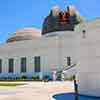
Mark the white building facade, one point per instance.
(32, 53)
(40, 54)
(65, 40)
(88, 68)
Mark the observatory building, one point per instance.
(32, 52)
(65, 40)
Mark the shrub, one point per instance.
(71, 78)
(24, 77)
(36, 79)
(46, 78)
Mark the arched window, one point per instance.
(10, 65)
(69, 61)
(84, 33)
(37, 64)
(23, 64)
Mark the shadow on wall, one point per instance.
(71, 96)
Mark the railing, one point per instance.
(72, 66)
(61, 72)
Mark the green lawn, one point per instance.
(11, 84)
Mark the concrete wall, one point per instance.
(89, 60)
(53, 50)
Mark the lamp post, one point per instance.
(76, 89)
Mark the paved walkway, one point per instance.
(35, 91)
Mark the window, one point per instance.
(23, 64)
(0, 65)
(10, 65)
(37, 63)
(84, 33)
(68, 61)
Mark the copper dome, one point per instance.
(24, 34)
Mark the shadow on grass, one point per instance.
(71, 96)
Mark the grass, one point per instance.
(11, 84)
(22, 78)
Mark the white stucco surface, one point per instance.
(89, 60)
(53, 51)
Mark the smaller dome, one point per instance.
(71, 9)
(24, 34)
(55, 11)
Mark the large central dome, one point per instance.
(24, 34)
(58, 20)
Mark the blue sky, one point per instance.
(15, 14)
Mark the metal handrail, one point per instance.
(70, 67)
(67, 68)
